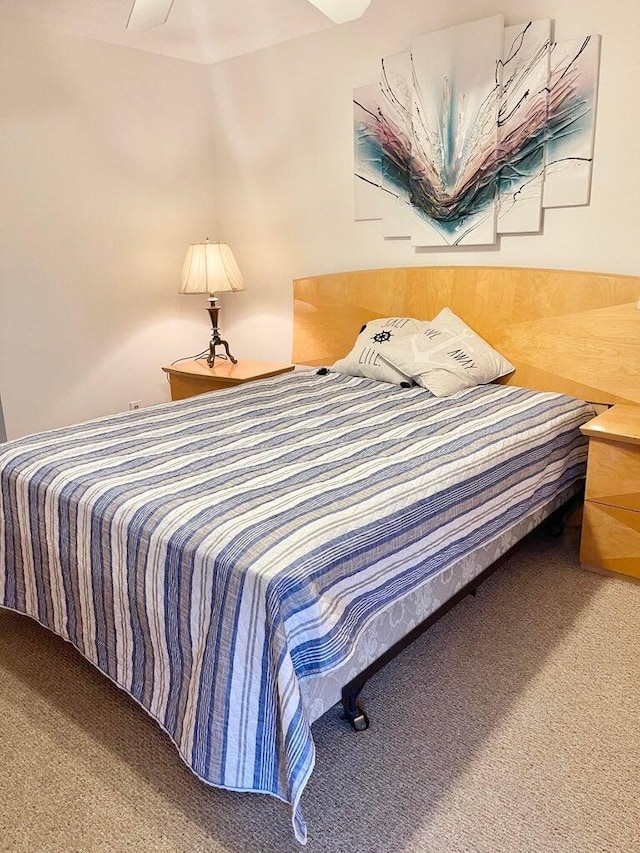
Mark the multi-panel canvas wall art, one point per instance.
(474, 131)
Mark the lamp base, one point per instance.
(216, 341)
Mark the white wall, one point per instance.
(284, 143)
(106, 176)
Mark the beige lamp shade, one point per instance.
(210, 268)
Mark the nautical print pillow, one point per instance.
(366, 357)
(447, 356)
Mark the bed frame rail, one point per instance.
(353, 711)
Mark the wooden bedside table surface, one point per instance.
(620, 423)
(224, 372)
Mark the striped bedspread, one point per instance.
(209, 555)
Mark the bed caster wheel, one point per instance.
(361, 722)
(357, 717)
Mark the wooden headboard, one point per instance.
(573, 332)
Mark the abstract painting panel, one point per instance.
(522, 122)
(395, 107)
(572, 120)
(367, 152)
(455, 122)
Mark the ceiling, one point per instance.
(197, 30)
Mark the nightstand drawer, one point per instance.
(190, 386)
(611, 538)
(613, 473)
(189, 377)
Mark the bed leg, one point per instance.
(555, 522)
(354, 712)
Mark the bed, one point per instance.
(234, 560)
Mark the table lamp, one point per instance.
(210, 268)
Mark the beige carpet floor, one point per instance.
(512, 725)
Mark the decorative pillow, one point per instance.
(447, 356)
(365, 359)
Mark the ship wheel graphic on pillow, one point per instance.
(382, 337)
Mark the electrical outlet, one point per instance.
(134, 404)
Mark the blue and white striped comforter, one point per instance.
(209, 555)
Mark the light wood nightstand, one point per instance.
(191, 377)
(611, 523)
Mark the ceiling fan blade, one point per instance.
(341, 11)
(146, 14)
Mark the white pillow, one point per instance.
(447, 356)
(365, 359)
